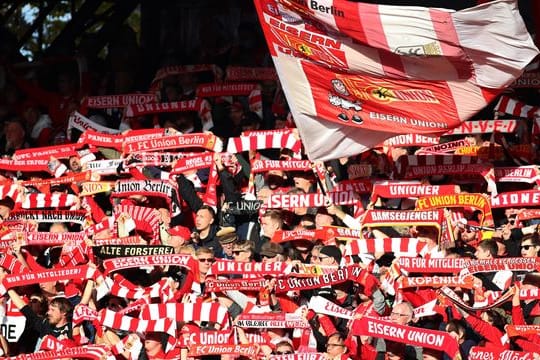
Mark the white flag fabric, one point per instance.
(355, 74)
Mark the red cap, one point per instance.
(181, 231)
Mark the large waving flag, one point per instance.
(355, 74)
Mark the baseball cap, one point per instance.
(181, 231)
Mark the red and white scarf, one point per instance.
(515, 107)
(410, 335)
(199, 311)
(57, 151)
(411, 140)
(194, 162)
(28, 165)
(269, 139)
(271, 320)
(428, 266)
(447, 147)
(212, 285)
(398, 190)
(173, 70)
(255, 269)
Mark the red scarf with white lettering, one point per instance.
(465, 282)
(291, 282)
(28, 165)
(57, 151)
(155, 158)
(484, 126)
(470, 200)
(361, 186)
(419, 166)
(212, 285)
(198, 105)
(50, 239)
(481, 353)
(92, 352)
(195, 162)
(36, 277)
(206, 141)
(116, 141)
(239, 73)
(518, 199)
(249, 351)
(409, 335)
(398, 190)
(492, 265)
(121, 263)
(225, 89)
(269, 139)
(127, 240)
(255, 269)
(443, 148)
(430, 266)
(291, 201)
(54, 200)
(116, 101)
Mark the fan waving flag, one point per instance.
(355, 74)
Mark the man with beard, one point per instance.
(56, 323)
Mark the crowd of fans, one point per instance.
(252, 265)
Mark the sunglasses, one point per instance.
(286, 352)
(526, 247)
(321, 258)
(237, 252)
(208, 260)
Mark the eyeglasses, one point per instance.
(208, 260)
(269, 257)
(393, 313)
(286, 352)
(527, 247)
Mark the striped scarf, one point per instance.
(515, 107)
(211, 312)
(270, 139)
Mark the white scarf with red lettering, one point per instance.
(49, 216)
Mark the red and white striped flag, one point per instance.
(382, 70)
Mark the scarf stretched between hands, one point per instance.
(49, 216)
(258, 140)
(409, 335)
